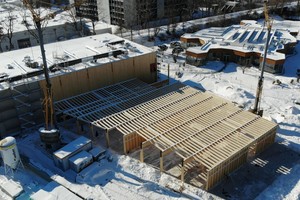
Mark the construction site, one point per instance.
(104, 103)
(193, 135)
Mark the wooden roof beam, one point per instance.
(217, 141)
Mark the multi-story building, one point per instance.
(131, 12)
(94, 10)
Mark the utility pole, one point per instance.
(256, 108)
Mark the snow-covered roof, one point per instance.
(71, 147)
(19, 13)
(280, 24)
(80, 157)
(67, 54)
(54, 191)
(10, 187)
(245, 38)
(96, 151)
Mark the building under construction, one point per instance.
(109, 84)
(75, 66)
(193, 135)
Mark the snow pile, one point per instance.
(83, 190)
(22, 184)
(54, 191)
(127, 177)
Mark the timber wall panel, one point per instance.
(132, 141)
(123, 70)
(265, 142)
(100, 76)
(219, 172)
(142, 67)
(83, 80)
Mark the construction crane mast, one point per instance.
(268, 23)
(50, 119)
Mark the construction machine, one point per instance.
(256, 109)
(50, 121)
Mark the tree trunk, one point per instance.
(11, 46)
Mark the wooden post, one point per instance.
(107, 138)
(161, 161)
(124, 144)
(78, 127)
(64, 120)
(208, 181)
(142, 153)
(182, 173)
(168, 73)
(92, 131)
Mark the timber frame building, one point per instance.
(243, 44)
(193, 135)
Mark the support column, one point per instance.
(92, 131)
(64, 120)
(169, 74)
(78, 126)
(161, 161)
(107, 138)
(182, 173)
(142, 153)
(124, 144)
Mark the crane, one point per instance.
(256, 108)
(50, 120)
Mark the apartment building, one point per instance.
(131, 12)
(95, 10)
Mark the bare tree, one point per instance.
(146, 12)
(94, 22)
(31, 26)
(73, 19)
(8, 27)
(2, 36)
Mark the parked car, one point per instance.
(163, 47)
(177, 50)
(175, 44)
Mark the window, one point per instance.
(24, 43)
